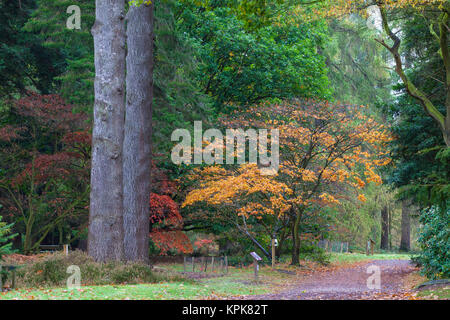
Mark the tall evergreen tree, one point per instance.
(138, 132)
(25, 62)
(106, 200)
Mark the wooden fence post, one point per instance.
(13, 281)
(273, 253)
(66, 249)
(193, 264)
(342, 246)
(226, 264)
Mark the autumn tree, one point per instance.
(45, 152)
(166, 222)
(324, 149)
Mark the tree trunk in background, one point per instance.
(390, 227)
(138, 131)
(384, 228)
(296, 239)
(106, 199)
(405, 244)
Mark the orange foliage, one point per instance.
(325, 149)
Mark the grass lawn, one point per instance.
(355, 257)
(435, 294)
(159, 291)
(237, 282)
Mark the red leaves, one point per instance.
(202, 243)
(165, 218)
(44, 167)
(171, 240)
(9, 133)
(77, 138)
(48, 110)
(164, 209)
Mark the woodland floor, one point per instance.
(345, 278)
(350, 283)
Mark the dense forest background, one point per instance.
(214, 59)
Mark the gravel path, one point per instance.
(349, 284)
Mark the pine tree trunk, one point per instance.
(384, 228)
(296, 239)
(106, 199)
(138, 131)
(390, 227)
(405, 244)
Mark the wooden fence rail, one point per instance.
(206, 264)
(333, 246)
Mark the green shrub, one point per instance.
(237, 261)
(314, 253)
(5, 237)
(52, 272)
(435, 243)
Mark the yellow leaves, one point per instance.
(373, 177)
(308, 175)
(362, 198)
(382, 162)
(342, 8)
(360, 183)
(237, 187)
(329, 199)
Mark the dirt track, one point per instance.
(349, 283)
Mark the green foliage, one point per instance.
(314, 253)
(5, 237)
(245, 67)
(358, 65)
(435, 242)
(239, 261)
(77, 46)
(24, 60)
(178, 98)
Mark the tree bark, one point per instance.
(442, 120)
(138, 133)
(405, 244)
(384, 228)
(296, 239)
(106, 199)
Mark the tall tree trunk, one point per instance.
(106, 200)
(138, 132)
(384, 228)
(296, 239)
(390, 226)
(405, 244)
